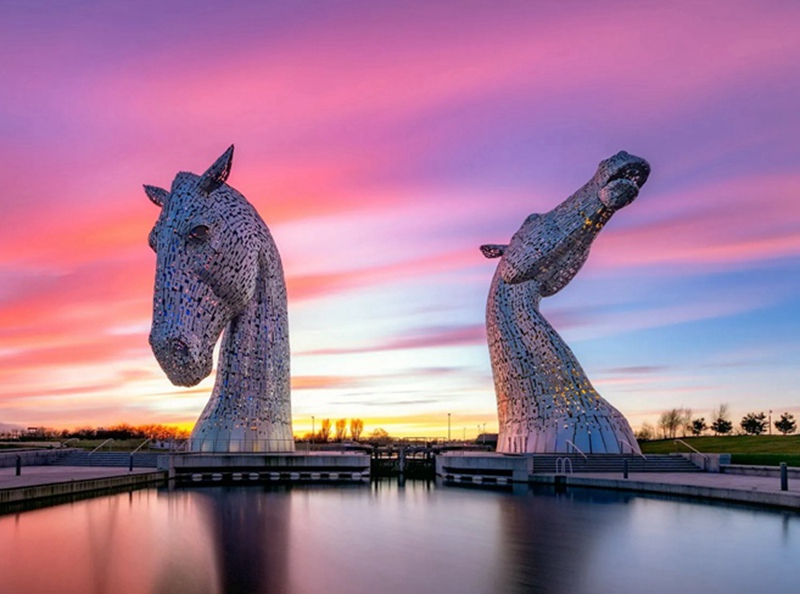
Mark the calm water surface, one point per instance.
(388, 539)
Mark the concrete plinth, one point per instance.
(484, 467)
(244, 468)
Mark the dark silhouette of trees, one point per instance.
(646, 432)
(754, 423)
(786, 424)
(379, 436)
(698, 426)
(669, 422)
(721, 424)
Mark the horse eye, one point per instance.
(199, 232)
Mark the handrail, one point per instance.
(64, 443)
(577, 449)
(562, 463)
(633, 452)
(696, 451)
(101, 445)
(141, 445)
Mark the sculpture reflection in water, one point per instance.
(251, 534)
(218, 269)
(545, 402)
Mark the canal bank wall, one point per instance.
(751, 490)
(41, 483)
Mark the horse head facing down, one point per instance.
(217, 270)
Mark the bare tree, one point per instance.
(721, 425)
(325, 430)
(721, 412)
(686, 420)
(341, 429)
(669, 422)
(356, 428)
(646, 432)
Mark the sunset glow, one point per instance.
(382, 143)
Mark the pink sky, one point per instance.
(382, 143)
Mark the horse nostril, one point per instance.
(179, 347)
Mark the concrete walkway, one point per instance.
(39, 482)
(757, 490)
(49, 481)
(42, 475)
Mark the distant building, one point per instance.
(489, 439)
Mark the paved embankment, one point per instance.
(754, 490)
(40, 482)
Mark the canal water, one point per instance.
(388, 538)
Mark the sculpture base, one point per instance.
(265, 446)
(208, 439)
(588, 434)
(251, 468)
(483, 468)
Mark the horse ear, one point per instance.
(157, 195)
(218, 172)
(493, 250)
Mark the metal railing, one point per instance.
(695, 450)
(633, 451)
(64, 443)
(141, 445)
(576, 448)
(101, 445)
(561, 465)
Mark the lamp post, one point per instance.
(770, 422)
(313, 433)
(448, 426)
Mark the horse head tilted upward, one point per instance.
(545, 402)
(217, 270)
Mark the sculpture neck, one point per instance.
(250, 407)
(254, 357)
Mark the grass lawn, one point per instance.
(124, 445)
(762, 450)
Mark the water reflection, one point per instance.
(391, 538)
(250, 530)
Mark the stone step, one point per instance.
(122, 459)
(547, 463)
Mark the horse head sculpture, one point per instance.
(218, 270)
(545, 402)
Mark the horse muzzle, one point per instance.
(181, 356)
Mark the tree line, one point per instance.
(671, 422)
(328, 432)
(337, 432)
(152, 431)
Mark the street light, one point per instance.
(448, 426)
(770, 422)
(482, 433)
(313, 433)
